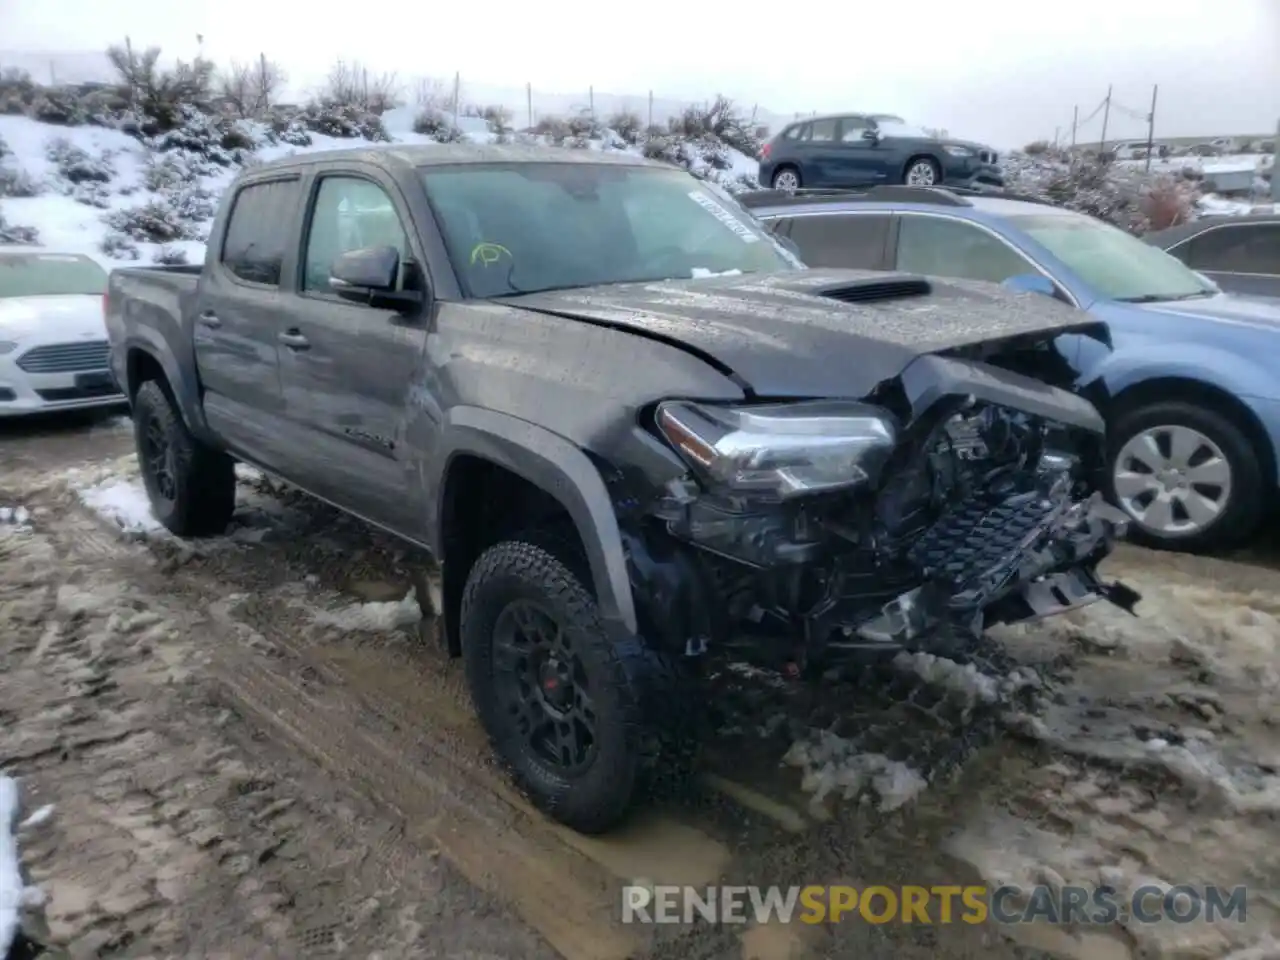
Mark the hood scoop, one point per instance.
(874, 291)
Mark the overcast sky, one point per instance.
(1004, 72)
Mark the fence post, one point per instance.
(528, 101)
(1275, 167)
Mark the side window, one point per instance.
(852, 129)
(831, 240)
(349, 214)
(1251, 248)
(793, 132)
(823, 131)
(939, 247)
(258, 232)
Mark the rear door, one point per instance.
(1240, 258)
(346, 367)
(237, 306)
(853, 240)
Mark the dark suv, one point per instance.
(856, 150)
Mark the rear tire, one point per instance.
(1146, 433)
(192, 487)
(786, 178)
(540, 663)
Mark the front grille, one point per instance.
(66, 357)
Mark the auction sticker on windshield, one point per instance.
(724, 216)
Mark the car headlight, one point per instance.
(7, 346)
(783, 449)
(958, 151)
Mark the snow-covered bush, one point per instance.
(17, 90)
(499, 119)
(194, 132)
(721, 120)
(18, 183)
(158, 96)
(286, 126)
(61, 106)
(627, 125)
(170, 256)
(156, 221)
(119, 247)
(17, 233)
(555, 129)
(434, 122)
(75, 165)
(344, 120)
(1125, 197)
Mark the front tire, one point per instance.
(1187, 476)
(568, 709)
(922, 172)
(192, 487)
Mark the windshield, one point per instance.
(49, 274)
(1115, 264)
(515, 228)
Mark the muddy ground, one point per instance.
(253, 748)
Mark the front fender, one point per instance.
(557, 466)
(1228, 371)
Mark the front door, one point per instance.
(855, 160)
(346, 368)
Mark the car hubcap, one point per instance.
(1173, 480)
(543, 687)
(920, 175)
(158, 455)
(786, 180)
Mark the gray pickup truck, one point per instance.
(631, 426)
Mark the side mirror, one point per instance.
(1031, 283)
(365, 271)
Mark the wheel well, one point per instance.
(140, 367)
(1204, 394)
(484, 502)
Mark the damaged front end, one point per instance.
(959, 496)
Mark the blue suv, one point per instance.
(859, 149)
(1191, 389)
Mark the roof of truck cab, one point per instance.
(439, 154)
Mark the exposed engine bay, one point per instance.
(818, 527)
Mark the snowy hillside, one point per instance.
(122, 199)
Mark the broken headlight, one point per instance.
(783, 449)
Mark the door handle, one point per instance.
(294, 340)
(209, 319)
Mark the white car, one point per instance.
(53, 339)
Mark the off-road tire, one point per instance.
(205, 480)
(1245, 510)
(643, 698)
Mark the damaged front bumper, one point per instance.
(1050, 567)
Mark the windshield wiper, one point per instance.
(1165, 297)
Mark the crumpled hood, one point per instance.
(780, 336)
(1258, 312)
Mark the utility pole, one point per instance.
(528, 101)
(650, 127)
(1075, 122)
(457, 92)
(1151, 124)
(1056, 134)
(1106, 115)
(591, 101)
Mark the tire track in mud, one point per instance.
(404, 737)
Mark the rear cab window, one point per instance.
(260, 230)
(50, 275)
